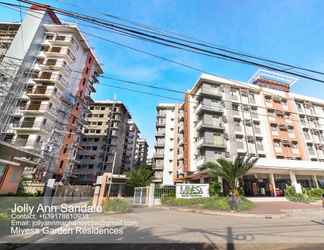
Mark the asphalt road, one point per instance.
(174, 228)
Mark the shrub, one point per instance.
(214, 188)
(213, 203)
(116, 205)
(314, 192)
(4, 216)
(290, 194)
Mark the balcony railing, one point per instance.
(216, 143)
(218, 108)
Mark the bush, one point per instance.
(4, 216)
(308, 195)
(116, 205)
(315, 193)
(214, 188)
(291, 195)
(213, 203)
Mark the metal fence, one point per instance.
(141, 196)
(152, 195)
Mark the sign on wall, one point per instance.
(189, 191)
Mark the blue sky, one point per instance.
(289, 30)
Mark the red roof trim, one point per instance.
(48, 10)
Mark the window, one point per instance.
(60, 38)
(277, 143)
(49, 37)
(101, 115)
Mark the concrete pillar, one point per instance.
(315, 181)
(201, 180)
(151, 195)
(120, 190)
(220, 181)
(273, 184)
(293, 178)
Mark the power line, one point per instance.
(203, 43)
(153, 86)
(130, 31)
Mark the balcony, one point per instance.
(60, 66)
(161, 114)
(210, 125)
(295, 151)
(159, 155)
(240, 146)
(311, 151)
(259, 147)
(159, 144)
(160, 133)
(42, 93)
(160, 124)
(215, 108)
(254, 116)
(58, 52)
(210, 91)
(208, 143)
(61, 40)
(257, 130)
(236, 113)
(180, 156)
(158, 166)
(180, 141)
(52, 79)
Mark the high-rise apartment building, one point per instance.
(47, 95)
(108, 142)
(141, 152)
(8, 32)
(224, 118)
(169, 145)
(103, 140)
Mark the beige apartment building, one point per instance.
(44, 98)
(141, 152)
(108, 142)
(224, 118)
(168, 161)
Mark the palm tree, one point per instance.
(231, 171)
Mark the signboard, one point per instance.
(189, 191)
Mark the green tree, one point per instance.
(231, 171)
(140, 176)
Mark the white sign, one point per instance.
(51, 183)
(189, 191)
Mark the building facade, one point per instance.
(47, 95)
(108, 142)
(169, 144)
(141, 152)
(8, 32)
(130, 150)
(224, 118)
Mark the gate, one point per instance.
(152, 195)
(141, 196)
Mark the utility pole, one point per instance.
(111, 177)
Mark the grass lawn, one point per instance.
(116, 205)
(212, 203)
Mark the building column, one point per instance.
(293, 178)
(315, 181)
(201, 180)
(273, 184)
(120, 190)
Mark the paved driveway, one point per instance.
(146, 225)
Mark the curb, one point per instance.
(219, 213)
